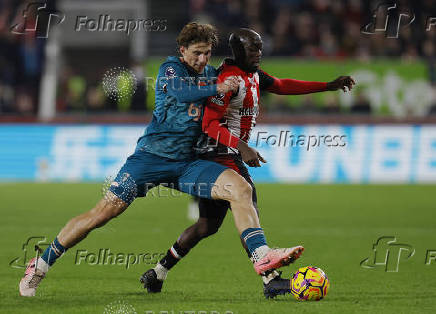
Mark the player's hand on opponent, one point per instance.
(342, 82)
(230, 84)
(250, 155)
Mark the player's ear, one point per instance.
(182, 50)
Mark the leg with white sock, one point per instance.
(232, 187)
(73, 232)
(253, 239)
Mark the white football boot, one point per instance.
(32, 278)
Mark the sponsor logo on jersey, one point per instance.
(251, 111)
(170, 72)
(218, 99)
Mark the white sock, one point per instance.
(271, 276)
(42, 265)
(161, 272)
(260, 252)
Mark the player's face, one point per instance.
(253, 52)
(197, 55)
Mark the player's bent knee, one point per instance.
(105, 211)
(212, 230)
(227, 185)
(207, 228)
(242, 192)
(232, 187)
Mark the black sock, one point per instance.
(174, 255)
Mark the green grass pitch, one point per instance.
(337, 224)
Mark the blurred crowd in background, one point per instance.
(310, 29)
(322, 28)
(21, 63)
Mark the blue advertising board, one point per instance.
(295, 154)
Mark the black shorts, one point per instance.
(217, 209)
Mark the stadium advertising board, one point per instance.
(296, 154)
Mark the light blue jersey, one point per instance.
(180, 96)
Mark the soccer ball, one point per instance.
(309, 284)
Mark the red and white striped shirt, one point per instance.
(231, 117)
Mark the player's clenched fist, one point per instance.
(230, 84)
(342, 82)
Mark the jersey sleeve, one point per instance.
(213, 115)
(288, 86)
(174, 82)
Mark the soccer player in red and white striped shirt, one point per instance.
(228, 121)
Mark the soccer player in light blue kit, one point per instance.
(165, 155)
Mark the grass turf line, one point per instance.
(337, 224)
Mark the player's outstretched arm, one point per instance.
(288, 86)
